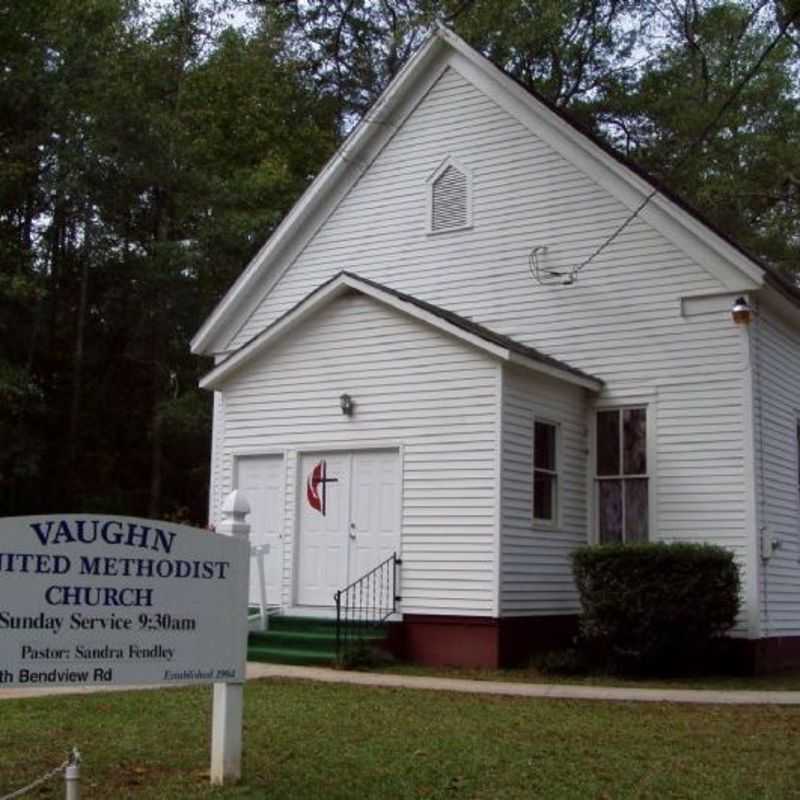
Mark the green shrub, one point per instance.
(654, 607)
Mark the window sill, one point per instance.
(430, 232)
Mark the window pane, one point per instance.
(634, 423)
(636, 510)
(609, 516)
(544, 493)
(544, 446)
(608, 443)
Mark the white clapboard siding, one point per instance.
(621, 321)
(536, 577)
(523, 194)
(287, 399)
(700, 464)
(215, 488)
(777, 410)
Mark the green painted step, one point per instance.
(285, 655)
(294, 640)
(302, 624)
(299, 640)
(306, 641)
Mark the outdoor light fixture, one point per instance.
(346, 404)
(741, 311)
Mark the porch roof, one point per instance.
(496, 344)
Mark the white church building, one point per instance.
(464, 347)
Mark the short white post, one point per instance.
(72, 776)
(226, 722)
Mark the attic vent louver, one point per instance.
(450, 198)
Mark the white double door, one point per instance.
(349, 512)
(261, 479)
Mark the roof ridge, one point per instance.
(657, 183)
(474, 329)
(316, 193)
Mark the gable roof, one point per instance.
(772, 275)
(727, 261)
(494, 344)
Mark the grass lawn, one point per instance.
(319, 741)
(787, 681)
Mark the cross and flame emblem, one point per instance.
(316, 486)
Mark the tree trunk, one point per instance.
(156, 443)
(156, 438)
(80, 327)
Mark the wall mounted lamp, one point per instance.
(346, 404)
(742, 312)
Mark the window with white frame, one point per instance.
(545, 472)
(621, 478)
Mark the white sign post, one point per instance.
(226, 723)
(107, 600)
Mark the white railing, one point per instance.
(259, 621)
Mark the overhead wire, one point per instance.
(749, 75)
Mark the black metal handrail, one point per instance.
(365, 605)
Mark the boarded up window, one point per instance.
(450, 200)
(621, 475)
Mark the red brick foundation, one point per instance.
(478, 641)
(491, 643)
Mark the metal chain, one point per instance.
(73, 758)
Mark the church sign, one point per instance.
(93, 599)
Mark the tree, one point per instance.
(47, 80)
(149, 149)
(738, 161)
(652, 78)
(568, 50)
(137, 191)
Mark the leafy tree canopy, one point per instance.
(149, 147)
